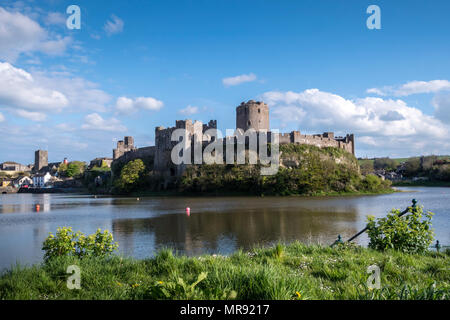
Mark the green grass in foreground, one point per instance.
(283, 272)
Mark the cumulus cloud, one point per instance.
(30, 115)
(392, 116)
(234, 81)
(113, 26)
(81, 93)
(390, 124)
(412, 87)
(32, 96)
(189, 110)
(20, 34)
(441, 103)
(94, 121)
(128, 105)
(55, 18)
(22, 142)
(19, 90)
(65, 127)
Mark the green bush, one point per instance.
(408, 233)
(372, 183)
(131, 175)
(69, 243)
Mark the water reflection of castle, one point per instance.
(227, 231)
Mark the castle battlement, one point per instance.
(249, 115)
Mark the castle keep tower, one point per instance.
(40, 159)
(254, 115)
(123, 146)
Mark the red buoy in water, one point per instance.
(188, 211)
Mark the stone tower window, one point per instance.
(249, 123)
(259, 110)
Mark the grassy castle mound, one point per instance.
(304, 170)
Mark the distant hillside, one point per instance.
(423, 170)
(362, 161)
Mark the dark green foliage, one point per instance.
(412, 167)
(131, 175)
(317, 171)
(367, 167)
(432, 167)
(385, 163)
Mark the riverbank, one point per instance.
(421, 183)
(54, 190)
(173, 193)
(295, 271)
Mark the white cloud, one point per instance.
(392, 116)
(22, 141)
(375, 91)
(30, 115)
(94, 121)
(19, 90)
(233, 81)
(81, 93)
(20, 34)
(412, 87)
(115, 25)
(128, 105)
(65, 127)
(55, 18)
(2, 118)
(189, 110)
(441, 102)
(391, 125)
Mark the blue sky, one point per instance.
(135, 65)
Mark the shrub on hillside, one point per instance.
(372, 183)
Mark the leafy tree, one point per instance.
(385, 163)
(408, 233)
(367, 167)
(428, 162)
(412, 167)
(443, 172)
(75, 168)
(131, 175)
(62, 169)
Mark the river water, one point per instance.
(215, 224)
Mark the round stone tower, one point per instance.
(252, 114)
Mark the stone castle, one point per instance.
(249, 115)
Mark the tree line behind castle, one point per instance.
(309, 164)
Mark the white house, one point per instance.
(23, 181)
(41, 179)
